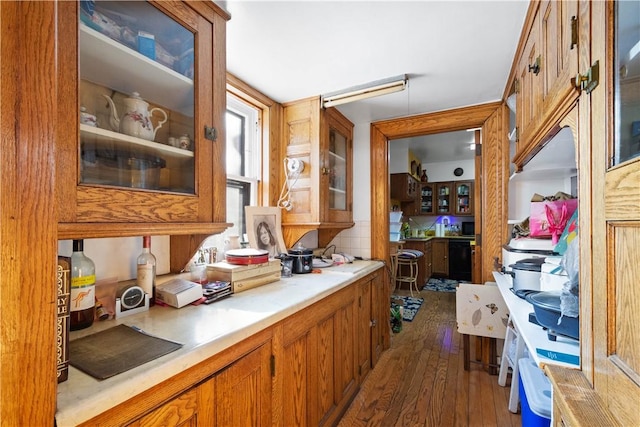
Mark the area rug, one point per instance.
(441, 285)
(410, 306)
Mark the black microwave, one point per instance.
(468, 228)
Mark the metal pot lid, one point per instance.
(300, 250)
(528, 264)
(549, 300)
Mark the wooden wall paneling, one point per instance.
(28, 123)
(598, 136)
(478, 187)
(495, 189)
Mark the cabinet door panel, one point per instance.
(295, 398)
(325, 369)
(365, 331)
(243, 391)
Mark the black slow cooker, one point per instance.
(302, 259)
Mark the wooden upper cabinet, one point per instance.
(545, 72)
(321, 195)
(403, 187)
(122, 176)
(559, 37)
(529, 85)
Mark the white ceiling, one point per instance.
(455, 53)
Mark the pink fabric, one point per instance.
(548, 219)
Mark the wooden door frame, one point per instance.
(384, 131)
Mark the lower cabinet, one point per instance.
(239, 394)
(188, 409)
(320, 359)
(302, 371)
(425, 263)
(243, 391)
(440, 257)
(428, 261)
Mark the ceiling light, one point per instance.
(367, 90)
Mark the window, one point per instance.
(243, 161)
(243, 164)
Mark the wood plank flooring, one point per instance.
(421, 381)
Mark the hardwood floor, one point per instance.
(421, 381)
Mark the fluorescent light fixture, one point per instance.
(367, 90)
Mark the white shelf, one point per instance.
(108, 63)
(543, 174)
(102, 137)
(541, 349)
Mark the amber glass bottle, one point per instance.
(83, 288)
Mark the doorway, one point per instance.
(459, 119)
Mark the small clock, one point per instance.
(458, 171)
(131, 300)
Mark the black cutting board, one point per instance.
(116, 350)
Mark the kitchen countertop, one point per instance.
(204, 331)
(563, 352)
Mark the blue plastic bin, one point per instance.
(535, 395)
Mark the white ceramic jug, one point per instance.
(136, 121)
(231, 242)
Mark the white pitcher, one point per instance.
(136, 121)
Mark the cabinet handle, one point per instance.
(588, 82)
(535, 67)
(325, 171)
(373, 323)
(210, 133)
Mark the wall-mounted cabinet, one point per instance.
(118, 172)
(404, 187)
(322, 195)
(427, 191)
(544, 72)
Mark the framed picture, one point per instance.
(264, 229)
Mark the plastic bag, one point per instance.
(569, 297)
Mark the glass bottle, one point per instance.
(146, 271)
(83, 288)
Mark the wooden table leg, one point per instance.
(467, 356)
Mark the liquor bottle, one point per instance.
(83, 288)
(146, 273)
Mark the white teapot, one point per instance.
(136, 120)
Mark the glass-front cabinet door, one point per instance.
(337, 169)
(627, 82)
(444, 193)
(136, 98)
(464, 197)
(426, 199)
(143, 103)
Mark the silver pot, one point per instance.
(526, 274)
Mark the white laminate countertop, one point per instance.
(204, 331)
(564, 351)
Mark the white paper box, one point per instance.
(178, 292)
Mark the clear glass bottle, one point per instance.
(146, 271)
(83, 288)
